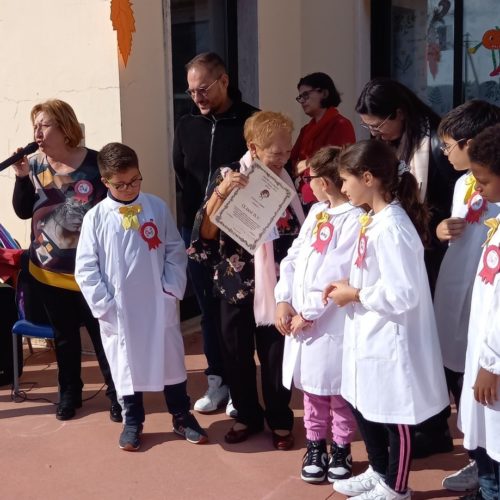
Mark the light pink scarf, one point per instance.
(264, 305)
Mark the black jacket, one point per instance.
(201, 145)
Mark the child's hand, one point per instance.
(326, 293)
(450, 229)
(284, 313)
(485, 388)
(298, 323)
(342, 293)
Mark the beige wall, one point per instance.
(145, 97)
(55, 48)
(297, 37)
(67, 49)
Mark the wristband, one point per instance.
(356, 295)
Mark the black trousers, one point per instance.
(240, 337)
(67, 311)
(454, 382)
(389, 449)
(176, 398)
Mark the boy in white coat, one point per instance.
(314, 332)
(131, 268)
(465, 231)
(479, 416)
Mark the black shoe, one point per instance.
(130, 437)
(65, 411)
(115, 412)
(315, 462)
(425, 445)
(340, 464)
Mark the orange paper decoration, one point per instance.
(123, 21)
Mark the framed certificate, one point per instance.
(248, 215)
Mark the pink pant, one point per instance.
(319, 411)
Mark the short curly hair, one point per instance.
(485, 149)
(261, 126)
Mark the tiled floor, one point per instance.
(43, 458)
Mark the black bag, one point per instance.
(8, 316)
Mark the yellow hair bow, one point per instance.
(129, 214)
(470, 182)
(321, 218)
(364, 220)
(493, 224)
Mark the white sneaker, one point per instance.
(231, 411)
(383, 492)
(214, 398)
(358, 484)
(463, 480)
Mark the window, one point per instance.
(200, 26)
(444, 50)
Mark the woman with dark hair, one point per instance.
(395, 115)
(319, 99)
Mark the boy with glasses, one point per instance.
(465, 232)
(131, 268)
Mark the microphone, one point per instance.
(30, 148)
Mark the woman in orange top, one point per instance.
(319, 99)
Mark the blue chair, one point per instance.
(30, 330)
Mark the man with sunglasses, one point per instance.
(206, 138)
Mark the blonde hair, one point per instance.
(261, 126)
(64, 116)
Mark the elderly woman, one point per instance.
(319, 99)
(245, 285)
(55, 188)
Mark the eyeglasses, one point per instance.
(305, 95)
(375, 128)
(308, 178)
(202, 92)
(122, 186)
(448, 148)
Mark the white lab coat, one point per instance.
(481, 424)
(314, 357)
(392, 367)
(124, 283)
(453, 294)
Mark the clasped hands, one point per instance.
(289, 322)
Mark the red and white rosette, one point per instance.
(491, 264)
(323, 237)
(362, 243)
(83, 190)
(149, 233)
(476, 206)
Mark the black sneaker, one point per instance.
(315, 462)
(129, 438)
(340, 464)
(187, 426)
